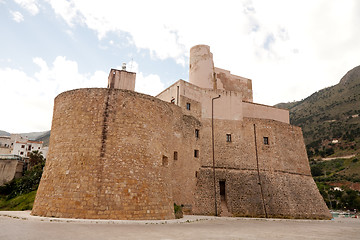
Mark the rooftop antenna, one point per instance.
(131, 63)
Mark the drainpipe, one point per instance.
(213, 152)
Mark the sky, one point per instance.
(290, 49)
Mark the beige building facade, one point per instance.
(202, 144)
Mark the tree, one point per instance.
(35, 158)
(316, 170)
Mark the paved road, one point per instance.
(20, 225)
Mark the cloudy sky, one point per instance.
(289, 49)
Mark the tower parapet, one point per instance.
(201, 70)
(121, 79)
(204, 74)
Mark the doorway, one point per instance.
(222, 189)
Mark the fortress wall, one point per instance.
(292, 196)
(183, 170)
(110, 156)
(227, 81)
(10, 169)
(253, 110)
(285, 150)
(243, 195)
(284, 173)
(228, 106)
(201, 69)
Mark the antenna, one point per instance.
(131, 63)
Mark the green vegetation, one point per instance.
(19, 203)
(178, 211)
(19, 194)
(330, 120)
(343, 173)
(330, 114)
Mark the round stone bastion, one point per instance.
(106, 157)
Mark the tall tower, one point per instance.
(121, 79)
(201, 71)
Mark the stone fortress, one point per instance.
(203, 144)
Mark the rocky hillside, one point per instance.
(330, 122)
(45, 138)
(330, 118)
(4, 133)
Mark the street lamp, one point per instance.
(213, 152)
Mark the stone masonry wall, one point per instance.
(262, 180)
(111, 156)
(10, 169)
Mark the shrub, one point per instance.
(27, 183)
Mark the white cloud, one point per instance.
(32, 6)
(17, 16)
(286, 47)
(147, 84)
(27, 101)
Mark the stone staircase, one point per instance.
(224, 210)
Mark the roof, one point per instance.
(10, 157)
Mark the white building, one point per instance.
(21, 146)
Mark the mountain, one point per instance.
(45, 137)
(33, 135)
(4, 133)
(330, 114)
(330, 122)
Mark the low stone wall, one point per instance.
(10, 169)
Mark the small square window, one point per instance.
(21, 153)
(22, 146)
(196, 153)
(165, 161)
(197, 133)
(266, 140)
(228, 137)
(188, 106)
(175, 155)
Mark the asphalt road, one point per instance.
(20, 225)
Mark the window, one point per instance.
(173, 101)
(222, 188)
(21, 153)
(197, 133)
(165, 160)
(38, 147)
(175, 155)
(196, 153)
(228, 137)
(188, 106)
(22, 146)
(266, 140)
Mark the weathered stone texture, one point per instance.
(108, 156)
(262, 180)
(10, 169)
(112, 156)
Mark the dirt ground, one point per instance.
(20, 225)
